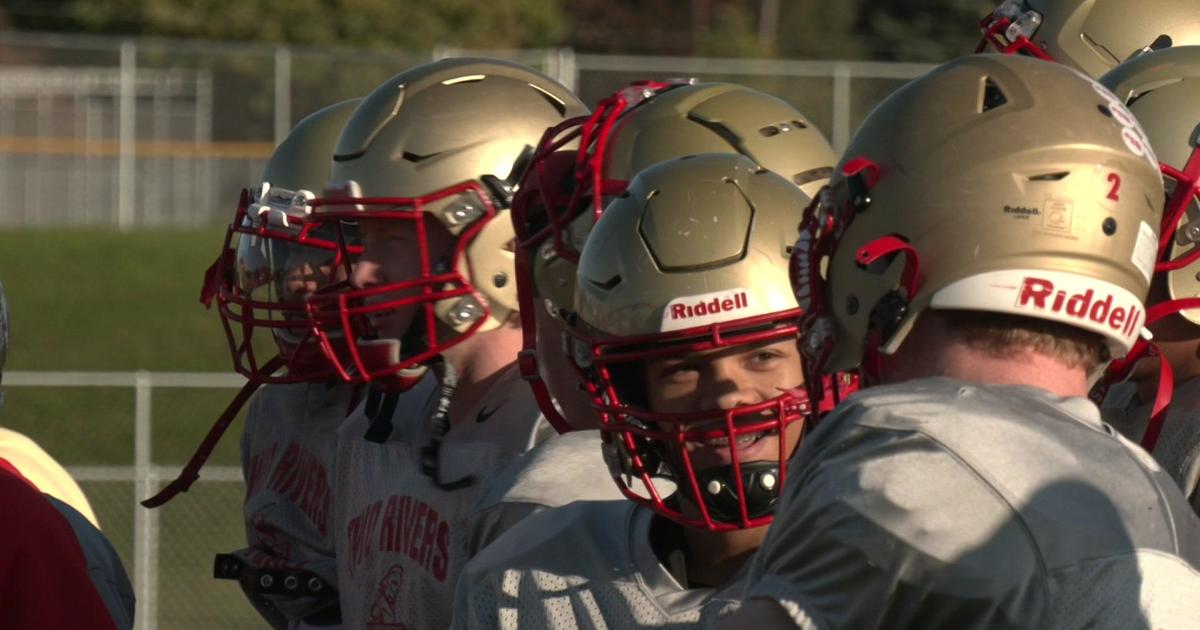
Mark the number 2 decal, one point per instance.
(1114, 192)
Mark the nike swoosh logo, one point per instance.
(483, 415)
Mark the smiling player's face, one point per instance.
(725, 379)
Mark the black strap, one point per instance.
(431, 454)
(260, 584)
(191, 471)
(380, 406)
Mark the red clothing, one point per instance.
(44, 580)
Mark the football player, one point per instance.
(269, 263)
(1092, 36)
(558, 202)
(50, 551)
(985, 244)
(686, 332)
(1159, 88)
(427, 167)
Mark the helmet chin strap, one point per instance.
(381, 405)
(718, 489)
(191, 471)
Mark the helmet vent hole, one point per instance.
(812, 175)
(558, 104)
(417, 158)
(991, 97)
(1049, 177)
(769, 131)
(610, 284)
(799, 124)
(1161, 42)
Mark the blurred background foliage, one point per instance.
(899, 30)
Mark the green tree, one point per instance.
(921, 30)
(412, 24)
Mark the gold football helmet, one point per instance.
(1092, 36)
(584, 163)
(1161, 89)
(271, 261)
(966, 190)
(692, 257)
(440, 146)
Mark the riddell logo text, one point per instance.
(1022, 211)
(709, 307)
(1041, 295)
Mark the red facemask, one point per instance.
(359, 353)
(1009, 28)
(261, 281)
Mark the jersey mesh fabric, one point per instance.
(401, 540)
(937, 503)
(1149, 590)
(562, 469)
(588, 564)
(288, 450)
(1124, 410)
(1178, 447)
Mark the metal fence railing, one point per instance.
(131, 133)
(144, 477)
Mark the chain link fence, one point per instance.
(130, 133)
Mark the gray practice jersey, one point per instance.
(941, 504)
(1178, 446)
(588, 564)
(401, 540)
(562, 469)
(288, 449)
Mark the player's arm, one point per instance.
(476, 605)
(44, 580)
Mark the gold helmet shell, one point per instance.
(1162, 88)
(682, 120)
(443, 124)
(968, 189)
(717, 251)
(1092, 36)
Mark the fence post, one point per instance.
(127, 135)
(841, 107)
(283, 92)
(145, 521)
(559, 64)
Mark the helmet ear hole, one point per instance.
(888, 313)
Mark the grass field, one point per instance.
(103, 301)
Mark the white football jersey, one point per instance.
(562, 469)
(401, 539)
(942, 504)
(1179, 445)
(288, 448)
(588, 564)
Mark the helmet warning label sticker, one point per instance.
(1145, 250)
(1132, 133)
(708, 308)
